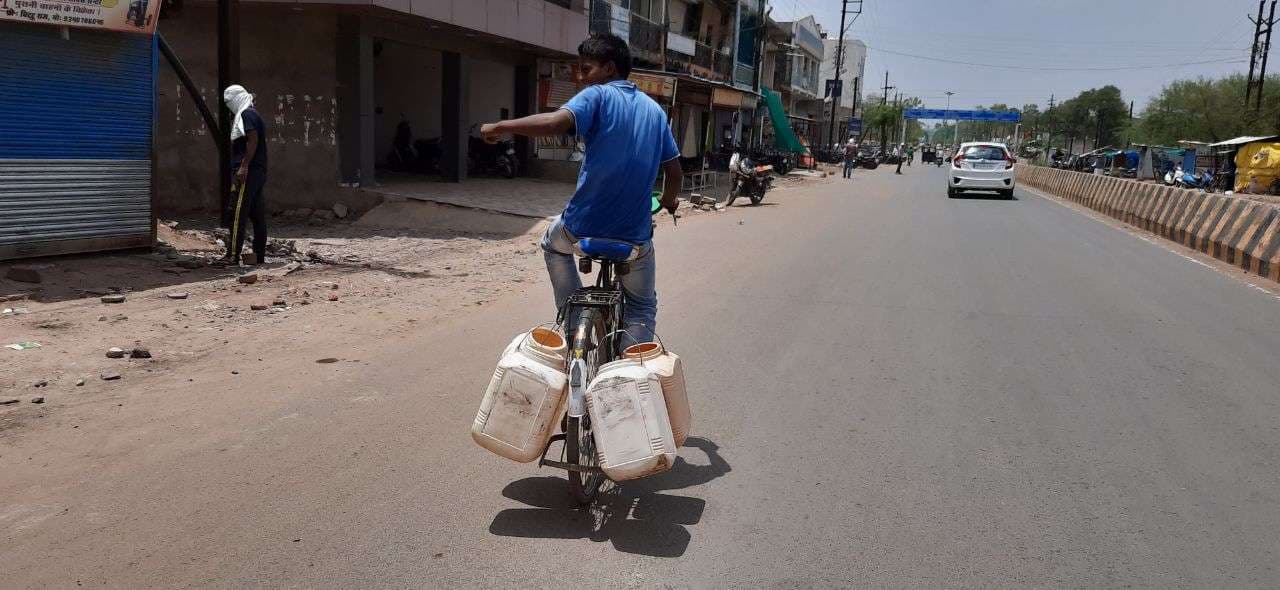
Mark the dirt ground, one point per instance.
(327, 282)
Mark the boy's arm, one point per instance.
(540, 125)
(671, 184)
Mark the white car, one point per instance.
(981, 166)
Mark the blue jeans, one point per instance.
(640, 313)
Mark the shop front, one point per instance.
(77, 106)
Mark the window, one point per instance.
(984, 152)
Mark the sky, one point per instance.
(1021, 51)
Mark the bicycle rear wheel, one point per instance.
(579, 444)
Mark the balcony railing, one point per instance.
(646, 38)
(705, 63)
(782, 73)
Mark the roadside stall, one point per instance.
(1227, 160)
(1258, 167)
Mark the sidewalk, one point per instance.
(526, 197)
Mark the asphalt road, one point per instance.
(889, 388)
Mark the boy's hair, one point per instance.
(604, 47)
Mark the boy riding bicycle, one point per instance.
(628, 140)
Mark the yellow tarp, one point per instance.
(1258, 163)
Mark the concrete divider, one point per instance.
(1234, 229)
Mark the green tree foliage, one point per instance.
(1207, 110)
(1093, 118)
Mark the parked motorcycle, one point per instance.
(491, 158)
(421, 156)
(868, 159)
(749, 180)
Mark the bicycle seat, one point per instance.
(606, 249)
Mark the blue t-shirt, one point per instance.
(627, 138)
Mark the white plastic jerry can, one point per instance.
(671, 374)
(629, 421)
(525, 397)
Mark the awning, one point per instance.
(783, 136)
(1243, 140)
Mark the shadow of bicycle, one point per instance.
(633, 516)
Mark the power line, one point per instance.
(1052, 69)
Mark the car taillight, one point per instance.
(1009, 161)
(956, 161)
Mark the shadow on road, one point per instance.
(992, 196)
(633, 516)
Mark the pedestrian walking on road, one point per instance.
(902, 153)
(850, 158)
(249, 165)
(911, 154)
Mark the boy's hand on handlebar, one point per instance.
(671, 205)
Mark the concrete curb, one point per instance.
(1242, 232)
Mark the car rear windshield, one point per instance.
(983, 152)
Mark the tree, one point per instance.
(1099, 114)
(1206, 110)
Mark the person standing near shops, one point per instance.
(850, 157)
(249, 165)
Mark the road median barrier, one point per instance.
(1232, 228)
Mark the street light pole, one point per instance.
(955, 131)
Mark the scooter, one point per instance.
(1203, 182)
(749, 179)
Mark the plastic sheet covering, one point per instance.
(1257, 164)
(783, 136)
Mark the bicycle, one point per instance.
(592, 322)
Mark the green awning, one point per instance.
(783, 136)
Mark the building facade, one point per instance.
(344, 87)
(853, 66)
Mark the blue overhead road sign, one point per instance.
(991, 116)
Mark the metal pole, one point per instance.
(835, 92)
(209, 120)
(228, 74)
(1266, 49)
(1253, 57)
(737, 29)
(954, 130)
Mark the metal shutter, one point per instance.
(75, 140)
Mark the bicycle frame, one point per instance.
(601, 304)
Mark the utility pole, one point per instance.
(1048, 142)
(836, 93)
(884, 101)
(1258, 56)
(1129, 136)
(1266, 50)
(956, 126)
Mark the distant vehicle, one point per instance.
(984, 166)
